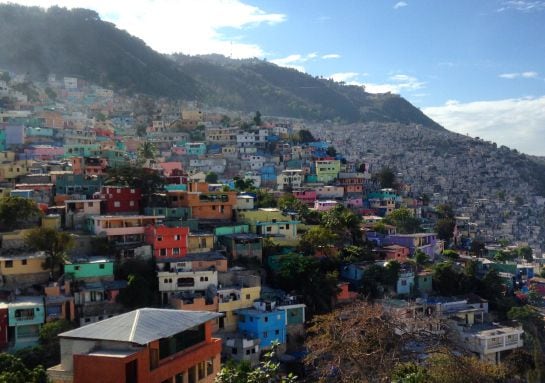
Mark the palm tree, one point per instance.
(147, 151)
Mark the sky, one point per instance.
(476, 67)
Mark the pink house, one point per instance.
(170, 167)
(354, 202)
(44, 152)
(179, 151)
(306, 196)
(325, 205)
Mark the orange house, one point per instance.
(395, 253)
(167, 241)
(145, 345)
(205, 201)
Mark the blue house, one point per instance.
(264, 322)
(353, 273)
(25, 318)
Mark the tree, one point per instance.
(344, 223)
(450, 367)
(331, 151)
(146, 151)
(317, 238)
(268, 371)
(444, 228)
(265, 199)
(54, 243)
(142, 288)
(447, 281)
(16, 211)
(211, 178)
(12, 370)
(525, 252)
(244, 184)
(386, 178)
(257, 118)
(421, 258)
(451, 255)
(356, 343)
(404, 221)
(305, 136)
(289, 203)
(444, 211)
(314, 280)
(477, 247)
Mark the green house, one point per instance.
(99, 268)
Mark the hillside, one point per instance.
(77, 43)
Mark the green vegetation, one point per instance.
(54, 243)
(16, 212)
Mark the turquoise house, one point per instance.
(25, 318)
(92, 268)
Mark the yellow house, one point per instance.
(232, 299)
(200, 243)
(23, 269)
(12, 170)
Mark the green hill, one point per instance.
(77, 43)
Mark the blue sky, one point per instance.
(477, 67)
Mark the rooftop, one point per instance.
(142, 326)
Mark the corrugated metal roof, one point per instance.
(142, 326)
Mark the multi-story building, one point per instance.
(205, 202)
(235, 298)
(327, 170)
(167, 241)
(270, 222)
(121, 199)
(77, 212)
(425, 242)
(264, 322)
(25, 318)
(122, 229)
(21, 269)
(145, 345)
(289, 179)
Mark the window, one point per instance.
(159, 238)
(276, 332)
(132, 191)
(131, 203)
(210, 366)
(234, 351)
(118, 191)
(117, 204)
(176, 251)
(201, 370)
(287, 226)
(265, 334)
(89, 204)
(177, 237)
(24, 262)
(165, 280)
(163, 252)
(76, 268)
(247, 296)
(269, 229)
(265, 319)
(403, 282)
(9, 264)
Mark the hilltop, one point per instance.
(78, 43)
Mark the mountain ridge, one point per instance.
(78, 43)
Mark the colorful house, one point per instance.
(25, 318)
(145, 345)
(264, 322)
(424, 242)
(167, 241)
(327, 170)
(270, 222)
(121, 199)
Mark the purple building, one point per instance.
(424, 242)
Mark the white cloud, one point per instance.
(296, 60)
(400, 4)
(344, 76)
(514, 75)
(523, 5)
(398, 83)
(517, 123)
(189, 26)
(331, 56)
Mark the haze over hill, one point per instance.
(78, 43)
